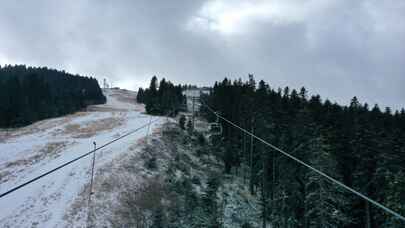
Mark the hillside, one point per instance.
(174, 178)
(32, 150)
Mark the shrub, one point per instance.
(151, 163)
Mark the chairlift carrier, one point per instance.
(216, 128)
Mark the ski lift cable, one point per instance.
(71, 161)
(333, 180)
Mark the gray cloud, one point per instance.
(336, 48)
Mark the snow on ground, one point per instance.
(30, 151)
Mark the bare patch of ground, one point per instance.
(4, 175)
(100, 108)
(92, 128)
(126, 97)
(51, 149)
(40, 126)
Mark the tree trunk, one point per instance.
(251, 161)
(264, 190)
(244, 157)
(368, 217)
(273, 181)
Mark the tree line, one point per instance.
(359, 145)
(165, 98)
(29, 94)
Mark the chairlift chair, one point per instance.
(216, 128)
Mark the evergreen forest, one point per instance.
(29, 94)
(361, 146)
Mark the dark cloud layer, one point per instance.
(338, 48)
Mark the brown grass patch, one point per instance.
(3, 176)
(100, 108)
(36, 127)
(51, 149)
(90, 129)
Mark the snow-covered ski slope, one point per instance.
(30, 151)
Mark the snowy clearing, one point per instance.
(30, 151)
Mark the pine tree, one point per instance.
(151, 104)
(210, 208)
(395, 193)
(158, 218)
(140, 96)
(189, 126)
(324, 201)
(182, 122)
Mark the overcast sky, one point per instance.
(337, 48)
